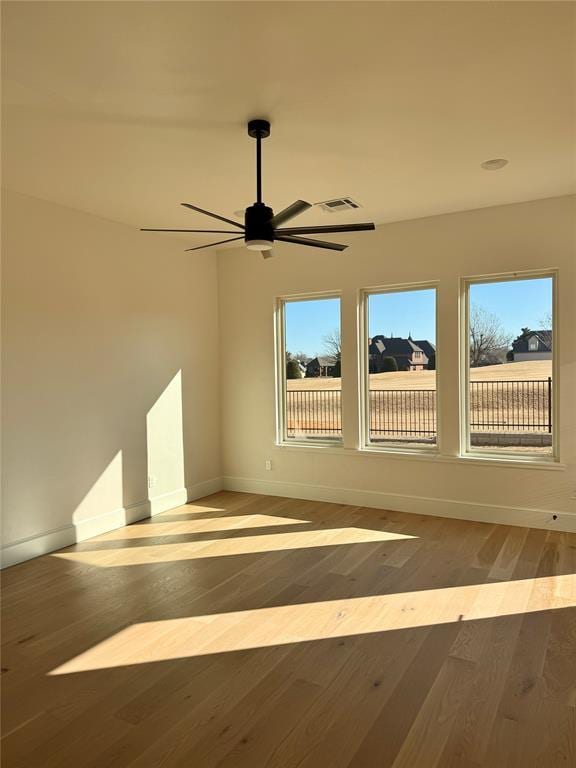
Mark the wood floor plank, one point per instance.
(432, 726)
(394, 721)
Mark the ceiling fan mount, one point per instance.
(261, 226)
(259, 129)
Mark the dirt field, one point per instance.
(538, 369)
(313, 409)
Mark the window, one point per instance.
(399, 369)
(309, 370)
(509, 379)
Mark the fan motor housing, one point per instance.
(257, 220)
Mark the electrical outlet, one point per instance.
(151, 481)
(268, 465)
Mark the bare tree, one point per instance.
(333, 344)
(546, 321)
(333, 348)
(487, 336)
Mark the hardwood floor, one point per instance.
(245, 631)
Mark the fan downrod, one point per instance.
(259, 129)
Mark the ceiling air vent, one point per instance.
(339, 204)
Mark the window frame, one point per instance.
(364, 377)
(466, 450)
(280, 370)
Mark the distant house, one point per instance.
(409, 354)
(532, 345)
(320, 366)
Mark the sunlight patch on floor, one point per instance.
(264, 627)
(163, 553)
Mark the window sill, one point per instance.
(326, 446)
(431, 455)
(523, 463)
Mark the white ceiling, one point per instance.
(126, 109)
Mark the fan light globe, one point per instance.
(259, 245)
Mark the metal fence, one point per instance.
(314, 412)
(511, 406)
(402, 412)
(495, 406)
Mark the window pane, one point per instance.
(402, 368)
(312, 354)
(510, 357)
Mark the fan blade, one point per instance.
(202, 231)
(288, 213)
(214, 215)
(220, 242)
(329, 228)
(314, 243)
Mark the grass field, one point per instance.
(533, 370)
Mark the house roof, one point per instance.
(426, 346)
(394, 346)
(520, 343)
(323, 360)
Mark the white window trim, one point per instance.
(280, 367)
(466, 451)
(364, 379)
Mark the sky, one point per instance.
(517, 303)
(307, 322)
(404, 313)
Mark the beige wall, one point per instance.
(533, 235)
(110, 342)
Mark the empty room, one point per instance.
(288, 384)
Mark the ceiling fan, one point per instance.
(261, 226)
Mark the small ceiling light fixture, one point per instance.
(259, 245)
(495, 164)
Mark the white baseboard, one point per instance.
(421, 505)
(166, 501)
(49, 541)
(34, 546)
(205, 488)
(116, 518)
